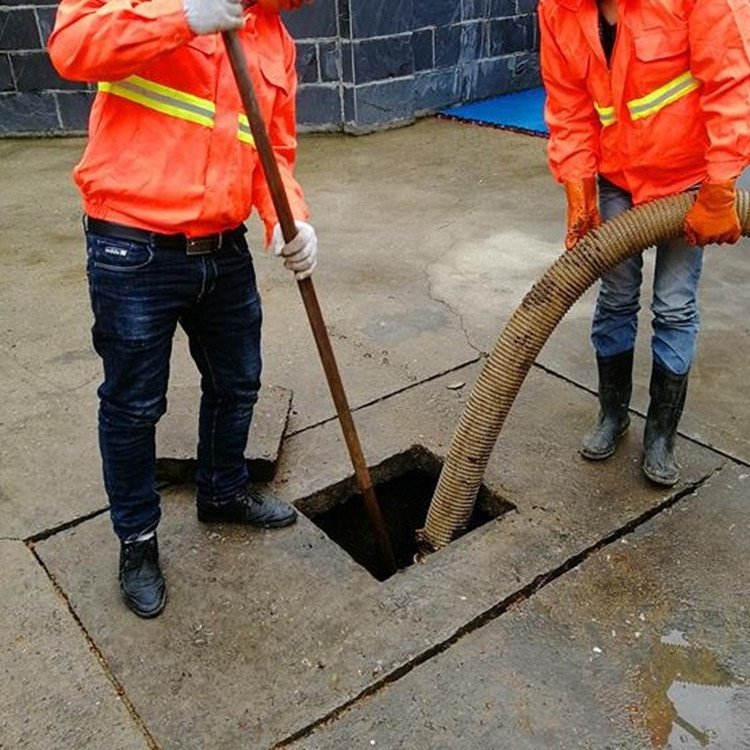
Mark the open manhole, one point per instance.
(404, 485)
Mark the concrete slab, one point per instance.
(645, 645)
(241, 611)
(176, 435)
(55, 693)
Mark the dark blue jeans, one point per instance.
(676, 318)
(139, 294)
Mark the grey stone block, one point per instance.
(347, 62)
(423, 49)
(345, 19)
(472, 41)
(350, 109)
(319, 105)
(314, 21)
(487, 78)
(34, 72)
(384, 18)
(6, 77)
(28, 113)
(475, 9)
(509, 35)
(75, 107)
(447, 46)
(307, 62)
(436, 12)
(176, 435)
(46, 16)
(379, 59)
(383, 103)
(329, 57)
(528, 6)
(436, 89)
(526, 73)
(18, 29)
(502, 8)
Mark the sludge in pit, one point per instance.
(404, 485)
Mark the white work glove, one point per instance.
(301, 254)
(210, 16)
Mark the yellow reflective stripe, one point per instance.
(663, 96)
(243, 130)
(606, 114)
(163, 99)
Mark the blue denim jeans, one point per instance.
(674, 306)
(139, 294)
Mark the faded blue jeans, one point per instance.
(674, 305)
(139, 294)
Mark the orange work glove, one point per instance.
(583, 210)
(713, 217)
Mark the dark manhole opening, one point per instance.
(404, 485)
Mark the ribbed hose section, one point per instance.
(522, 340)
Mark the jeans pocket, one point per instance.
(120, 256)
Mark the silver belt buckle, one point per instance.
(203, 245)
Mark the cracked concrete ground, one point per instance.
(526, 633)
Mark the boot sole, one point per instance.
(273, 525)
(589, 456)
(150, 615)
(661, 481)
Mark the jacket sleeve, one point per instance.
(572, 120)
(108, 40)
(720, 60)
(282, 131)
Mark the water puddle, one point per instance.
(690, 699)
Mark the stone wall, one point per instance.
(363, 64)
(406, 58)
(33, 98)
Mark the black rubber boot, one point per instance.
(252, 507)
(615, 388)
(141, 580)
(668, 393)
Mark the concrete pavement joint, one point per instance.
(689, 438)
(495, 611)
(47, 533)
(116, 684)
(389, 395)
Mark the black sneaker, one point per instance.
(252, 507)
(141, 580)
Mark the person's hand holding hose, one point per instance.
(713, 217)
(583, 210)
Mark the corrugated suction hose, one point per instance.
(522, 340)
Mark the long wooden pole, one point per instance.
(309, 297)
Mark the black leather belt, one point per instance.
(191, 245)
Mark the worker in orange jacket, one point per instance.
(169, 175)
(644, 100)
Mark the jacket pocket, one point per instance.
(662, 44)
(273, 71)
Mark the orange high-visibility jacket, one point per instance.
(673, 110)
(169, 148)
